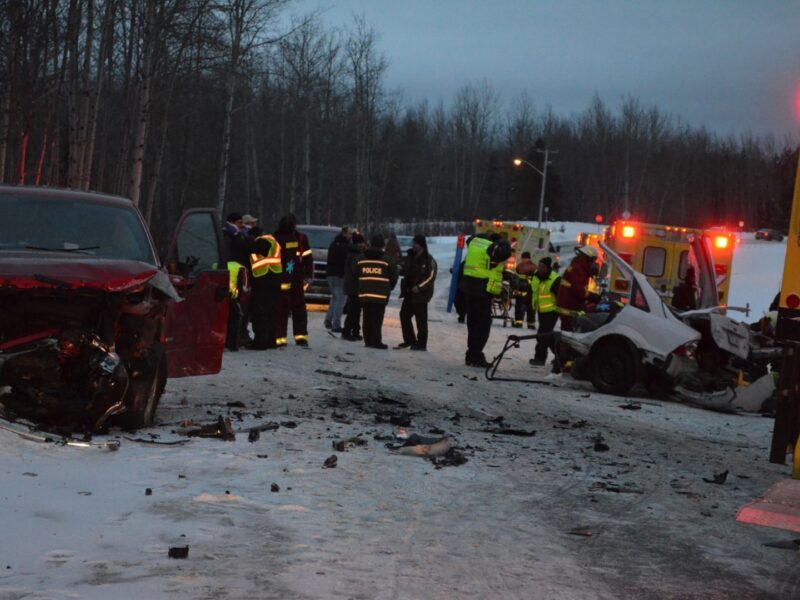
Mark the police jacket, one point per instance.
(418, 271)
(377, 276)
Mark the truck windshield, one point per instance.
(64, 225)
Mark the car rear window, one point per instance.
(75, 226)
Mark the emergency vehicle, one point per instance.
(522, 238)
(661, 253)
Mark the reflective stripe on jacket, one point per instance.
(270, 262)
(543, 294)
(478, 265)
(233, 278)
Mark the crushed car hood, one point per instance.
(23, 271)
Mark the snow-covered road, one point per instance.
(76, 523)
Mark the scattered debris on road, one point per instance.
(178, 552)
(600, 444)
(581, 531)
(157, 442)
(719, 478)
(340, 374)
(330, 462)
(452, 458)
(274, 488)
(617, 489)
(510, 431)
(221, 429)
(342, 445)
(416, 445)
(148, 491)
(631, 406)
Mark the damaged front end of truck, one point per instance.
(81, 345)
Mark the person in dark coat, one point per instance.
(352, 322)
(524, 311)
(416, 290)
(393, 247)
(684, 295)
(237, 250)
(338, 254)
(460, 301)
(298, 271)
(377, 276)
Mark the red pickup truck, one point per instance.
(92, 321)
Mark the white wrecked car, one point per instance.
(700, 356)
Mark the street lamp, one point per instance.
(518, 162)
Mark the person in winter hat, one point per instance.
(416, 290)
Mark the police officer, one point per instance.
(377, 276)
(265, 266)
(482, 281)
(298, 271)
(544, 287)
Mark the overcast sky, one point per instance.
(732, 65)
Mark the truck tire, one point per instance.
(145, 391)
(613, 367)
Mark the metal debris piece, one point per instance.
(178, 552)
(719, 478)
(510, 431)
(222, 429)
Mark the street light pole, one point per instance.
(543, 173)
(544, 183)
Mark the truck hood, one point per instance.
(27, 271)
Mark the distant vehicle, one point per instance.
(405, 242)
(91, 321)
(769, 235)
(523, 238)
(320, 238)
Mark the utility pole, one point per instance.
(546, 153)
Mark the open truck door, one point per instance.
(196, 326)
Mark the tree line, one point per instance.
(239, 105)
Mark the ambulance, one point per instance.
(522, 238)
(661, 253)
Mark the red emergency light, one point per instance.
(721, 242)
(793, 301)
(628, 231)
